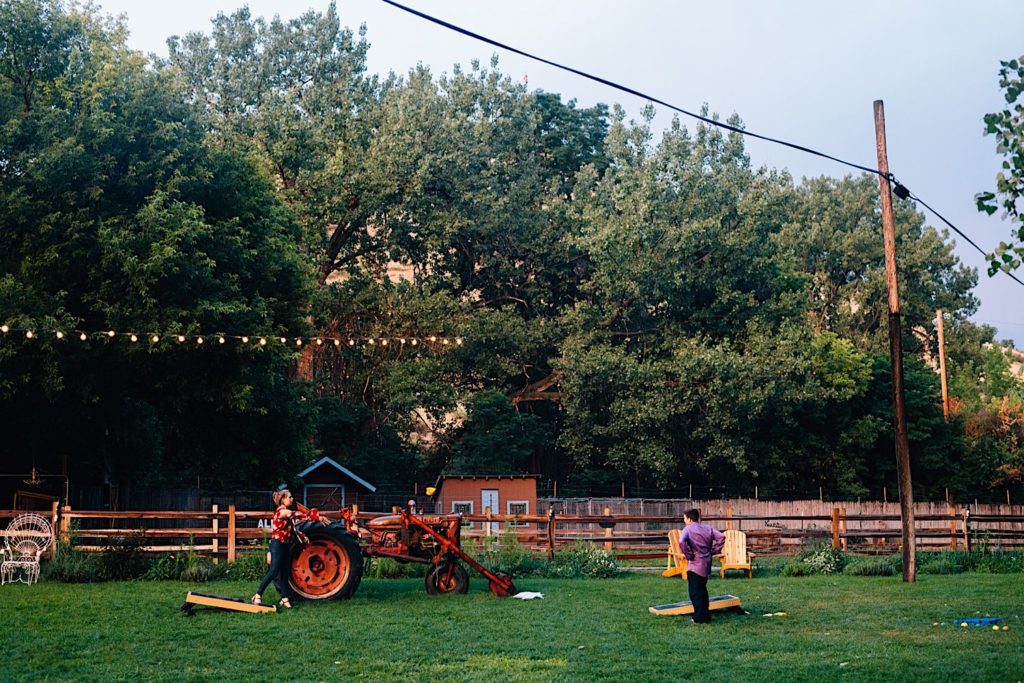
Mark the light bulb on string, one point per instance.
(402, 341)
(220, 340)
(284, 340)
(199, 340)
(445, 342)
(245, 340)
(370, 341)
(351, 342)
(111, 334)
(263, 341)
(298, 342)
(5, 329)
(181, 338)
(83, 336)
(134, 338)
(383, 342)
(319, 342)
(155, 338)
(60, 335)
(415, 342)
(458, 341)
(433, 339)
(29, 334)
(337, 342)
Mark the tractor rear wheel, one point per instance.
(440, 581)
(329, 567)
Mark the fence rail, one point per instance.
(225, 533)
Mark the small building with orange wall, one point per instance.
(506, 494)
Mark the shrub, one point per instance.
(389, 568)
(824, 559)
(71, 565)
(122, 557)
(506, 554)
(875, 566)
(583, 559)
(247, 567)
(795, 568)
(183, 566)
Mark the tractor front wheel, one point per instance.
(447, 578)
(329, 567)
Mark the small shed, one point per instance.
(330, 486)
(506, 494)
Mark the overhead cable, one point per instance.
(900, 191)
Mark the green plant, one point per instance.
(123, 558)
(388, 568)
(582, 559)
(824, 559)
(71, 565)
(505, 554)
(873, 566)
(795, 568)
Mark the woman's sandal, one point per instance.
(286, 603)
(257, 600)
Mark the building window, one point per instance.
(518, 507)
(463, 507)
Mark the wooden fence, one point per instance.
(224, 533)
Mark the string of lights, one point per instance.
(900, 191)
(222, 339)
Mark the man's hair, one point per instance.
(279, 495)
(693, 514)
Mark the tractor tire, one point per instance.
(438, 583)
(329, 567)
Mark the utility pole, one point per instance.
(942, 366)
(896, 350)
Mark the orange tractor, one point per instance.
(330, 564)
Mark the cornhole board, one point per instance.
(234, 604)
(680, 608)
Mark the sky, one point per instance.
(804, 71)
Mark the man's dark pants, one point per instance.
(698, 587)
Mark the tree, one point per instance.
(117, 214)
(1008, 128)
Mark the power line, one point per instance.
(623, 88)
(899, 190)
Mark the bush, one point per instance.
(795, 568)
(583, 559)
(506, 554)
(70, 565)
(389, 568)
(875, 566)
(122, 557)
(247, 567)
(823, 559)
(186, 566)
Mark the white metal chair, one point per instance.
(27, 538)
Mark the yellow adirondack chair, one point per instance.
(734, 555)
(676, 562)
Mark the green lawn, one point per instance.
(836, 628)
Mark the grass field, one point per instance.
(836, 628)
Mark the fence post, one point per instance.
(65, 525)
(967, 529)
(844, 541)
(551, 533)
(231, 534)
(54, 515)
(952, 527)
(608, 531)
(835, 528)
(487, 524)
(216, 529)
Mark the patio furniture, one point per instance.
(26, 539)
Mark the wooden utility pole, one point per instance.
(896, 351)
(942, 366)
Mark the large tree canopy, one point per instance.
(639, 308)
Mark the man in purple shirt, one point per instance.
(698, 543)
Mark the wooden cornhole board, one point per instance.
(233, 604)
(680, 608)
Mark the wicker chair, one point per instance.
(27, 538)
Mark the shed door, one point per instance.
(489, 499)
